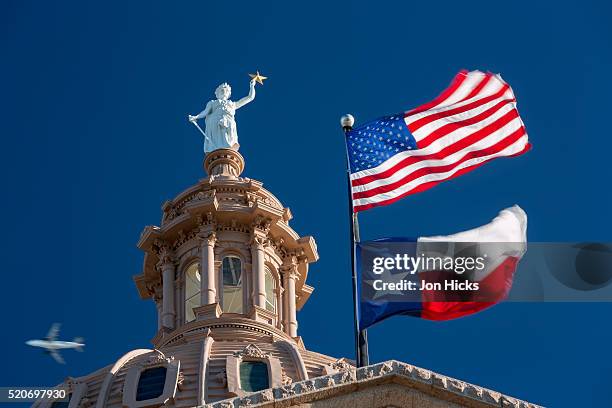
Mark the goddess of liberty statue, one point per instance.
(219, 114)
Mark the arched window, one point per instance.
(270, 285)
(254, 376)
(192, 290)
(151, 383)
(232, 284)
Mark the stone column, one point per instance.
(165, 266)
(168, 312)
(290, 275)
(208, 285)
(258, 266)
(280, 313)
(156, 292)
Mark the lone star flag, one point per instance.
(472, 122)
(441, 277)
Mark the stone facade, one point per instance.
(228, 274)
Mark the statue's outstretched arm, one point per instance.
(205, 112)
(249, 97)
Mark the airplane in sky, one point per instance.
(52, 345)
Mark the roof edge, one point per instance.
(390, 371)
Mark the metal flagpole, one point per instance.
(361, 336)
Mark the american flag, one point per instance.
(472, 122)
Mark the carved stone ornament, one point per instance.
(386, 368)
(259, 240)
(251, 199)
(245, 403)
(155, 290)
(163, 252)
(290, 268)
(209, 237)
(182, 237)
(203, 195)
(342, 365)
(70, 384)
(157, 358)
(262, 224)
(173, 213)
(267, 395)
(285, 379)
(251, 351)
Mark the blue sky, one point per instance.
(95, 138)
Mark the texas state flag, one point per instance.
(440, 277)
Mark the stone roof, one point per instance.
(202, 364)
(416, 387)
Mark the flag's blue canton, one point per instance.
(373, 143)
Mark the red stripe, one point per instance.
(493, 289)
(426, 186)
(456, 83)
(450, 149)
(493, 149)
(417, 124)
(485, 80)
(451, 127)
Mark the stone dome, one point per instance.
(227, 274)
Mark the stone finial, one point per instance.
(224, 163)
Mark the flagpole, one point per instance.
(361, 336)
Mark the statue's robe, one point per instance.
(220, 125)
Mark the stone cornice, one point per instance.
(240, 192)
(349, 380)
(234, 322)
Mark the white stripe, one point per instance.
(431, 127)
(491, 88)
(508, 151)
(488, 141)
(436, 146)
(505, 235)
(473, 78)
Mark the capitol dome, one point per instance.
(227, 274)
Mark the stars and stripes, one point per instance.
(472, 122)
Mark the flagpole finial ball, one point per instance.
(347, 121)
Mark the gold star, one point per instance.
(258, 78)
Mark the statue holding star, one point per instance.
(219, 115)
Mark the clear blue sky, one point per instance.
(95, 138)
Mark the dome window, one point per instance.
(254, 376)
(270, 291)
(192, 290)
(232, 284)
(151, 383)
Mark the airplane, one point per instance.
(51, 345)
